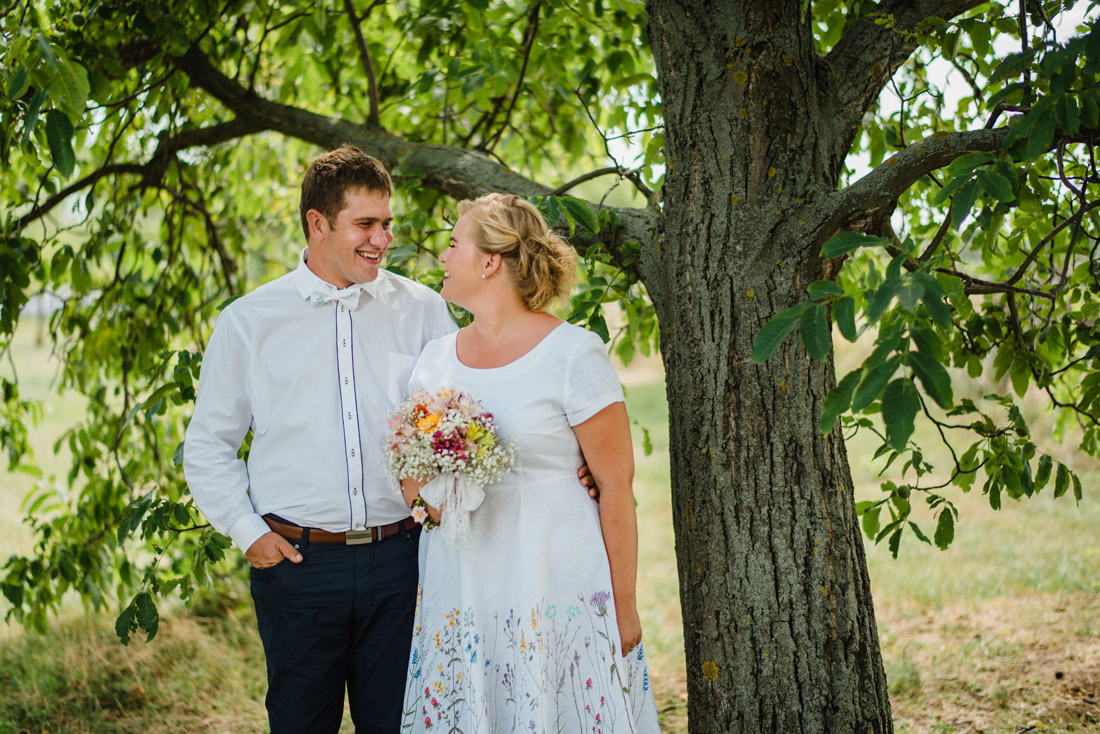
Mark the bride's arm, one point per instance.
(605, 440)
(410, 488)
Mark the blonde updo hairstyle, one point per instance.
(541, 265)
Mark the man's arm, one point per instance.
(217, 478)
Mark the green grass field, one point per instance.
(997, 634)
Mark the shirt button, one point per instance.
(349, 415)
(345, 342)
(355, 492)
(341, 309)
(345, 380)
(353, 452)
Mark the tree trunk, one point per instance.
(779, 624)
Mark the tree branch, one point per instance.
(151, 171)
(868, 54)
(879, 190)
(368, 67)
(528, 43)
(454, 171)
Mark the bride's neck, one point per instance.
(497, 323)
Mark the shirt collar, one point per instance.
(318, 291)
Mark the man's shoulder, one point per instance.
(273, 291)
(274, 295)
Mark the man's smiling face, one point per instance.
(350, 249)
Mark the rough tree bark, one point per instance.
(779, 623)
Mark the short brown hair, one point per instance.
(542, 266)
(330, 176)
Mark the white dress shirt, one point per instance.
(314, 372)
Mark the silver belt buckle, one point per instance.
(358, 537)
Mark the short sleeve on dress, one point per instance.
(590, 381)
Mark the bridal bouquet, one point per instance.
(449, 437)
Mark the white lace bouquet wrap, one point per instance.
(450, 438)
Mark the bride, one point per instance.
(531, 624)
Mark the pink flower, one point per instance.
(434, 702)
(588, 683)
(427, 721)
(427, 691)
(597, 718)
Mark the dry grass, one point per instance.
(1023, 663)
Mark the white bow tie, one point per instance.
(348, 297)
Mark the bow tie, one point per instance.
(348, 297)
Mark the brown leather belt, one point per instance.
(351, 537)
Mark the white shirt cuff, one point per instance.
(248, 530)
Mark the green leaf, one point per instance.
(844, 242)
(871, 522)
(582, 213)
(919, 533)
(551, 210)
(952, 186)
(823, 289)
(945, 528)
(773, 333)
(933, 298)
(900, 404)
(33, 111)
(1071, 115)
(1043, 476)
(844, 311)
(69, 89)
(837, 401)
(910, 292)
(996, 185)
(59, 135)
(927, 340)
(597, 324)
(963, 203)
(147, 617)
(1042, 135)
(1005, 93)
(1061, 480)
(1021, 376)
(970, 161)
(20, 80)
(936, 381)
(126, 623)
(895, 543)
(873, 383)
(1090, 111)
(813, 325)
(880, 299)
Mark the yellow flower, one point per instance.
(428, 423)
(522, 643)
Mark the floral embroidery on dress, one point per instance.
(560, 670)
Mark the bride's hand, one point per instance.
(410, 489)
(630, 627)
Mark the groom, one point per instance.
(312, 362)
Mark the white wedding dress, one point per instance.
(516, 629)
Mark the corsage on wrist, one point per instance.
(420, 514)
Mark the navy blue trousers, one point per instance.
(342, 618)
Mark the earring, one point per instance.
(483, 276)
